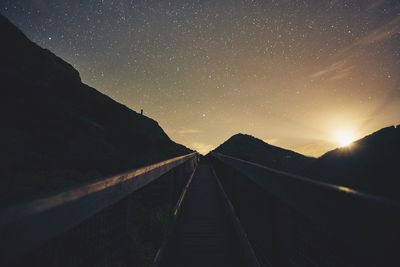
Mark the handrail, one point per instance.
(327, 186)
(353, 215)
(25, 226)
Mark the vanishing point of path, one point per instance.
(205, 235)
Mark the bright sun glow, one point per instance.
(344, 139)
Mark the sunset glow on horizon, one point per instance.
(345, 138)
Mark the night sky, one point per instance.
(296, 74)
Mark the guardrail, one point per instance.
(25, 227)
(295, 221)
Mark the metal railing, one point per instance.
(295, 221)
(27, 226)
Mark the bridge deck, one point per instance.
(205, 235)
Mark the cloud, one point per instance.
(381, 34)
(343, 73)
(342, 66)
(185, 131)
(188, 131)
(337, 70)
(201, 147)
(314, 149)
(375, 4)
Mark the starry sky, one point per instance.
(293, 73)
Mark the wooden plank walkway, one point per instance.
(205, 235)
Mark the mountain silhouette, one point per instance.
(370, 164)
(249, 148)
(57, 131)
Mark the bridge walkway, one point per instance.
(205, 234)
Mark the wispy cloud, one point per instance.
(188, 131)
(201, 147)
(375, 4)
(343, 65)
(314, 149)
(185, 131)
(337, 70)
(381, 34)
(343, 73)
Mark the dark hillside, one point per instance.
(370, 164)
(57, 131)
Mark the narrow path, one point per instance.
(205, 235)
